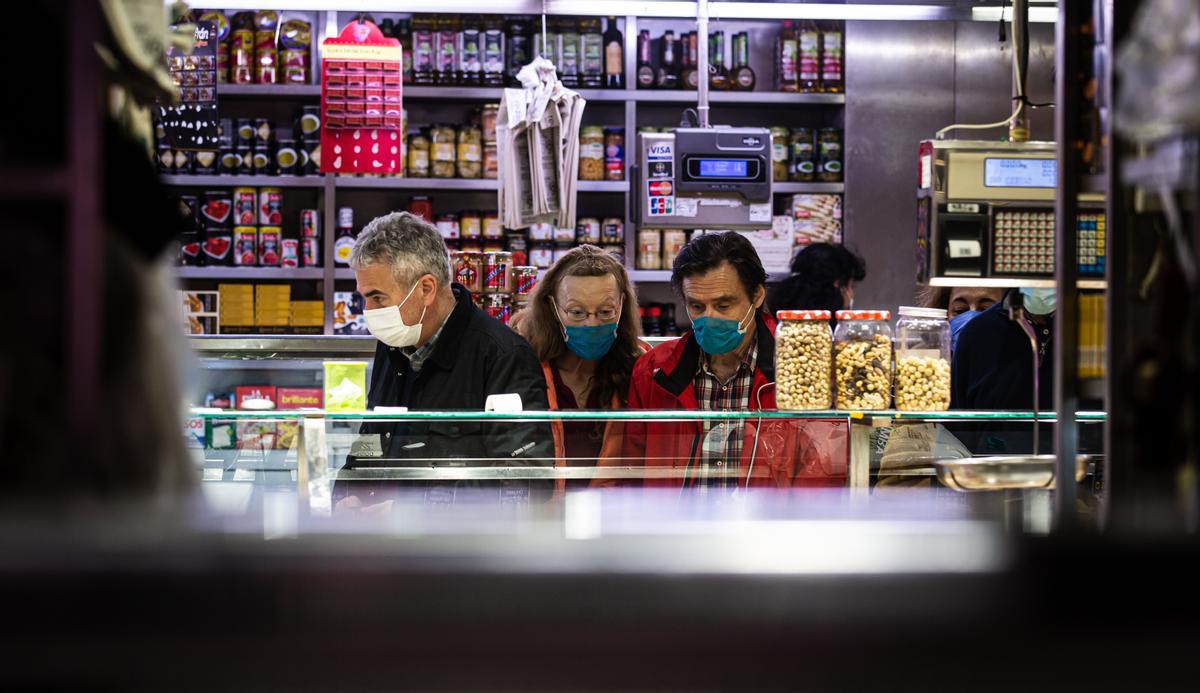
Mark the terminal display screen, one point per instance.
(1019, 173)
(724, 168)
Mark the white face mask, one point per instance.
(386, 325)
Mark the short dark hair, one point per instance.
(707, 251)
(818, 273)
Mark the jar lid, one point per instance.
(864, 315)
(915, 312)
(803, 315)
(591, 130)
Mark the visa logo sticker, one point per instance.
(660, 151)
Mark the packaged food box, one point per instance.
(193, 432)
(257, 392)
(255, 435)
(816, 206)
(300, 398)
(200, 302)
(345, 385)
(348, 314)
(222, 435)
(286, 433)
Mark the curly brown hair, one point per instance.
(544, 331)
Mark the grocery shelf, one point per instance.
(270, 346)
(637, 275)
(613, 186)
(737, 97)
(1012, 282)
(344, 273)
(402, 183)
(785, 187)
(282, 91)
(254, 181)
(249, 273)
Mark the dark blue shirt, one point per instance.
(993, 364)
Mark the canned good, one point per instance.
(649, 255)
(490, 113)
(183, 162)
(245, 246)
(468, 270)
(216, 209)
(245, 161)
(245, 133)
(421, 206)
(519, 247)
(447, 226)
(491, 161)
(345, 217)
(470, 226)
(216, 248)
(612, 231)
(290, 253)
(492, 229)
(497, 272)
(205, 163)
(285, 157)
(262, 132)
(310, 223)
(261, 162)
(245, 206)
(524, 279)
(477, 299)
(672, 242)
(497, 306)
(587, 230)
(310, 121)
(312, 156)
(189, 249)
(310, 252)
(617, 251)
(541, 255)
(564, 236)
(228, 162)
(269, 240)
(270, 206)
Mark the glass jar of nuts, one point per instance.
(922, 360)
(803, 360)
(862, 356)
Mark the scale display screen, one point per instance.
(1020, 173)
(724, 168)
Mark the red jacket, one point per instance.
(787, 452)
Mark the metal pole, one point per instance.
(1018, 130)
(1067, 96)
(702, 60)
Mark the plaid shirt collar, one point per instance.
(745, 368)
(418, 355)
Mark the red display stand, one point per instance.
(361, 101)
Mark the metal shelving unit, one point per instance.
(1005, 283)
(250, 273)
(251, 181)
(630, 97)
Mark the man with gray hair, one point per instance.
(437, 352)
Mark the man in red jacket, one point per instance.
(726, 362)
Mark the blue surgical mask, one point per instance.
(1040, 301)
(718, 336)
(957, 323)
(589, 342)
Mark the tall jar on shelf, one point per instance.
(803, 360)
(922, 360)
(862, 355)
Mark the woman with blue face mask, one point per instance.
(583, 325)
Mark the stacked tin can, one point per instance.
(498, 286)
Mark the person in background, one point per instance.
(726, 362)
(822, 278)
(583, 325)
(993, 364)
(961, 303)
(437, 351)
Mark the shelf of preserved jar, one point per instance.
(249, 273)
(488, 184)
(316, 181)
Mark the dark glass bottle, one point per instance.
(423, 51)
(718, 76)
(690, 52)
(832, 58)
(668, 66)
(470, 52)
(404, 34)
(743, 76)
(591, 43)
(519, 54)
(445, 51)
(614, 56)
(495, 63)
(645, 71)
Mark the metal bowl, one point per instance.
(1000, 473)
